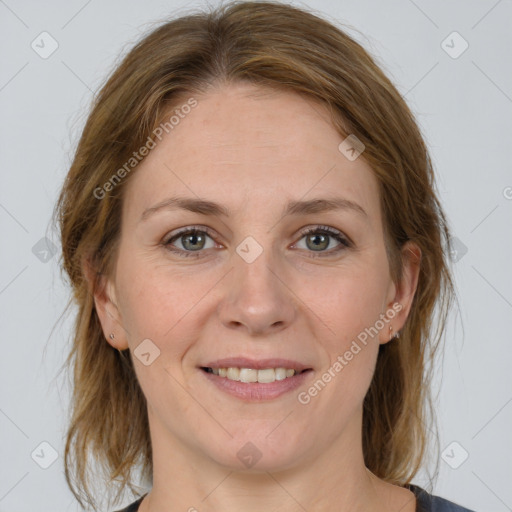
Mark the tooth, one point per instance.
(233, 374)
(280, 373)
(267, 375)
(248, 375)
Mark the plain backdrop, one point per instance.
(458, 85)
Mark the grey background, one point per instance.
(464, 107)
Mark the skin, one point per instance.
(252, 150)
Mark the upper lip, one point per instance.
(260, 364)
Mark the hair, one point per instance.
(286, 48)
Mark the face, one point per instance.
(258, 280)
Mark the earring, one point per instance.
(391, 335)
(111, 336)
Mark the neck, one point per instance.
(184, 478)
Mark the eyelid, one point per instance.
(329, 230)
(304, 231)
(187, 229)
(344, 241)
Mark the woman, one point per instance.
(256, 249)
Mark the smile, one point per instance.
(252, 375)
(256, 385)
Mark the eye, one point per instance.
(318, 239)
(192, 240)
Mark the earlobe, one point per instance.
(105, 303)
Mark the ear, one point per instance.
(103, 291)
(402, 294)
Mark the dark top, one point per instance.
(425, 502)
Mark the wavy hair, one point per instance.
(274, 45)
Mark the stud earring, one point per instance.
(112, 336)
(391, 335)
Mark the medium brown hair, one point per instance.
(283, 47)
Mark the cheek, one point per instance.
(350, 346)
(345, 301)
(162, 305)
(347, 305)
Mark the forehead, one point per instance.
(250, 147)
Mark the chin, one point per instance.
(258, 453)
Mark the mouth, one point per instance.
(248, 375)
(265, 382)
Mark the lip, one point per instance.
(260, 364)
(257, 391)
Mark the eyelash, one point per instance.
(323, 230)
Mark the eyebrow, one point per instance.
(205, 207)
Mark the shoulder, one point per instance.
(133, 507)
(427, 502)
(441, 505)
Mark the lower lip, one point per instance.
(257, 391)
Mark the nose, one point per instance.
(258, 298)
